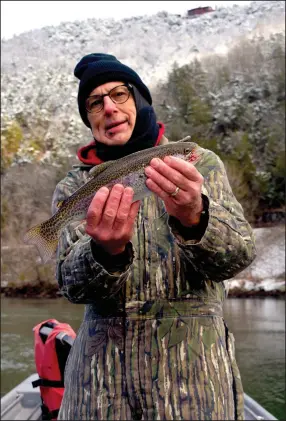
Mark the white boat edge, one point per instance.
(23, 402)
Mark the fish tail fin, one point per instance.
(40, 236)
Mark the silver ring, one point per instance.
(175, 192)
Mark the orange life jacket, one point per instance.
(51, 351)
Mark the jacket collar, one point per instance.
(87, 154)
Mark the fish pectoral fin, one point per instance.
(80, 228)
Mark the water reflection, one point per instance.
(259, 329)
(258, 326)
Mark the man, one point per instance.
(153, 343)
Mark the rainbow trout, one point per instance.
(128, 171)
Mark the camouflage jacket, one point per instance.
(153, 343)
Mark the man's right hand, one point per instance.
(111, 216)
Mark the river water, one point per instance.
(258, 326)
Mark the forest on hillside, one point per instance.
(233, 104)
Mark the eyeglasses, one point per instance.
(119, 95)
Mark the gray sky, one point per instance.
(22, 16)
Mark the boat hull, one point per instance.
(24, 403)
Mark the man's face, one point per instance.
(114, 124)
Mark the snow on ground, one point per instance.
(267, 271)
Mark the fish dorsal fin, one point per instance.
(185, 139)
(97, 169)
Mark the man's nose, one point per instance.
(108, 105)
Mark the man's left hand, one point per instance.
(172, 175)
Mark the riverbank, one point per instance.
(265, 277)
(31, 290)
(52, 292)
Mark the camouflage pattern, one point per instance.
(153, 343)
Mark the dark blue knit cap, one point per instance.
(96, 69)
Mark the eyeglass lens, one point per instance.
(118, 95)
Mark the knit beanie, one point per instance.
(96, 69)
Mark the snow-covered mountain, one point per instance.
(150, 44)
(38, 85)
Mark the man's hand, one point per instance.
(164, 176)
(111, 216)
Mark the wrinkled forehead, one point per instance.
(105, 88)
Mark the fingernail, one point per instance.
(118, 188)
(155, 162)
(129, 190)
(103, 190)
(167, 159)
(148, 170)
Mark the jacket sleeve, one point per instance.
(223, 244)
(83, 270)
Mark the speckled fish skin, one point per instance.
(128, 171)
